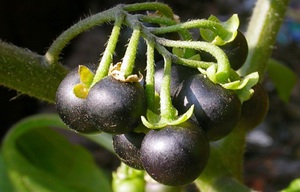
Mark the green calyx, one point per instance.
(86, 76)
(229, 31)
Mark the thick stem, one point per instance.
(29, 73)
(261, 34)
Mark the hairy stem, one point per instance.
(130, 54)
(150, 82)
(106, 60)
(261, 34)
(154, 6)
(29, 73)
(166, 107)
(222, 60)
(199, 23)
(52, 55)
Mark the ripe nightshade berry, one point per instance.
(127, 147)
(255, 109)
(175, 155)
(116, 107)
(216, 109)
(71, 109)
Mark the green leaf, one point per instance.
(227, 35)
(5, 183)
(157, 121)
(178, 51)
(293, 187)
(40, 159)
(243, 87)
(282, 77)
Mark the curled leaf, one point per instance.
(243, 87)
(227, 35)
(156, 121)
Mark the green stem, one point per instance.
(166, 107)
(157, 20)
(198, 23)
(155, 6)
(192, 63)
(261, 34)
(107, 58)
(52, 55)
(29, 73)
(130, 54)
(184, 33)
(236, 142)
(150, 82)
(222, 60)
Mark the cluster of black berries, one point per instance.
(176, 154)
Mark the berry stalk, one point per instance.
(106, 60)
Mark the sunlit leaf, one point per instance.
(293, 187)
(227, 35)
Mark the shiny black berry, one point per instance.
(175, 155)
(216, 109)
(127, 147)
(116, 107)
(255, 109)
(71, 109)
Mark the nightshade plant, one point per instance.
(133, 106)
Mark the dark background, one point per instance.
(273, 150)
